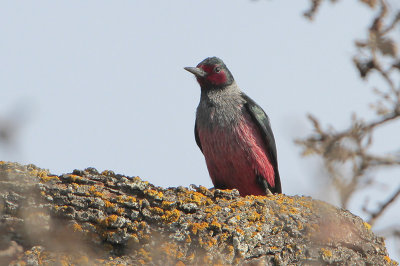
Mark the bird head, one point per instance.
(212, 73)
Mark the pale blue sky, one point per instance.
(102, 83)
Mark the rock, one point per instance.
(89, 218)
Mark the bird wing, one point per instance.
(196, 135)
(261, 119)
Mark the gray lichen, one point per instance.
(89, 217)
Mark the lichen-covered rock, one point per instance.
(89, 218)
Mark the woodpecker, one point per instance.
(234, 133)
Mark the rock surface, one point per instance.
(88, 217)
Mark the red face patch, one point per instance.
(215, 74)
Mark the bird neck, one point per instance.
(222, 96)
(220, 107)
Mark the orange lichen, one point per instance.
(46, 178)
(166, 204)
(237, 204)
(77, 227)
(240, 231)
(231, 249)
(131, 199)
(282, 199)
(124, 198)
(213, 210)
(276, 229)
(132, 226)
(367, 225)
(254, 216)
(169, 249)
(191, 257)
(207, 242)
(224, 237)
(37, 173)
(145, 255)
(120, 211)
(94, 192)
(293, 210)
(154, 193)
(142, 225)
(109, 204)
(305, 203)
(156, 210)
(299, 225)
(120, 199)
(74, 178)
(326, 252)
(107, 172)
(136, 179)
(194, 197)
(109, 220)
(203, 190)
(58, 207)
(195, 227)
(215, 225)
(171, 216)
(134, 238)
(98, 194)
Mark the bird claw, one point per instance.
(268, 192)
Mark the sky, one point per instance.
(101, 84)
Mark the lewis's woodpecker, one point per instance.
(234, 133)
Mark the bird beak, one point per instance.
(198, 72)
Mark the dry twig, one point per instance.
(347, 154)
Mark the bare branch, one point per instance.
(346, 153)
(315, 4)
(375, 215)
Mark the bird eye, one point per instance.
(217, 69)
